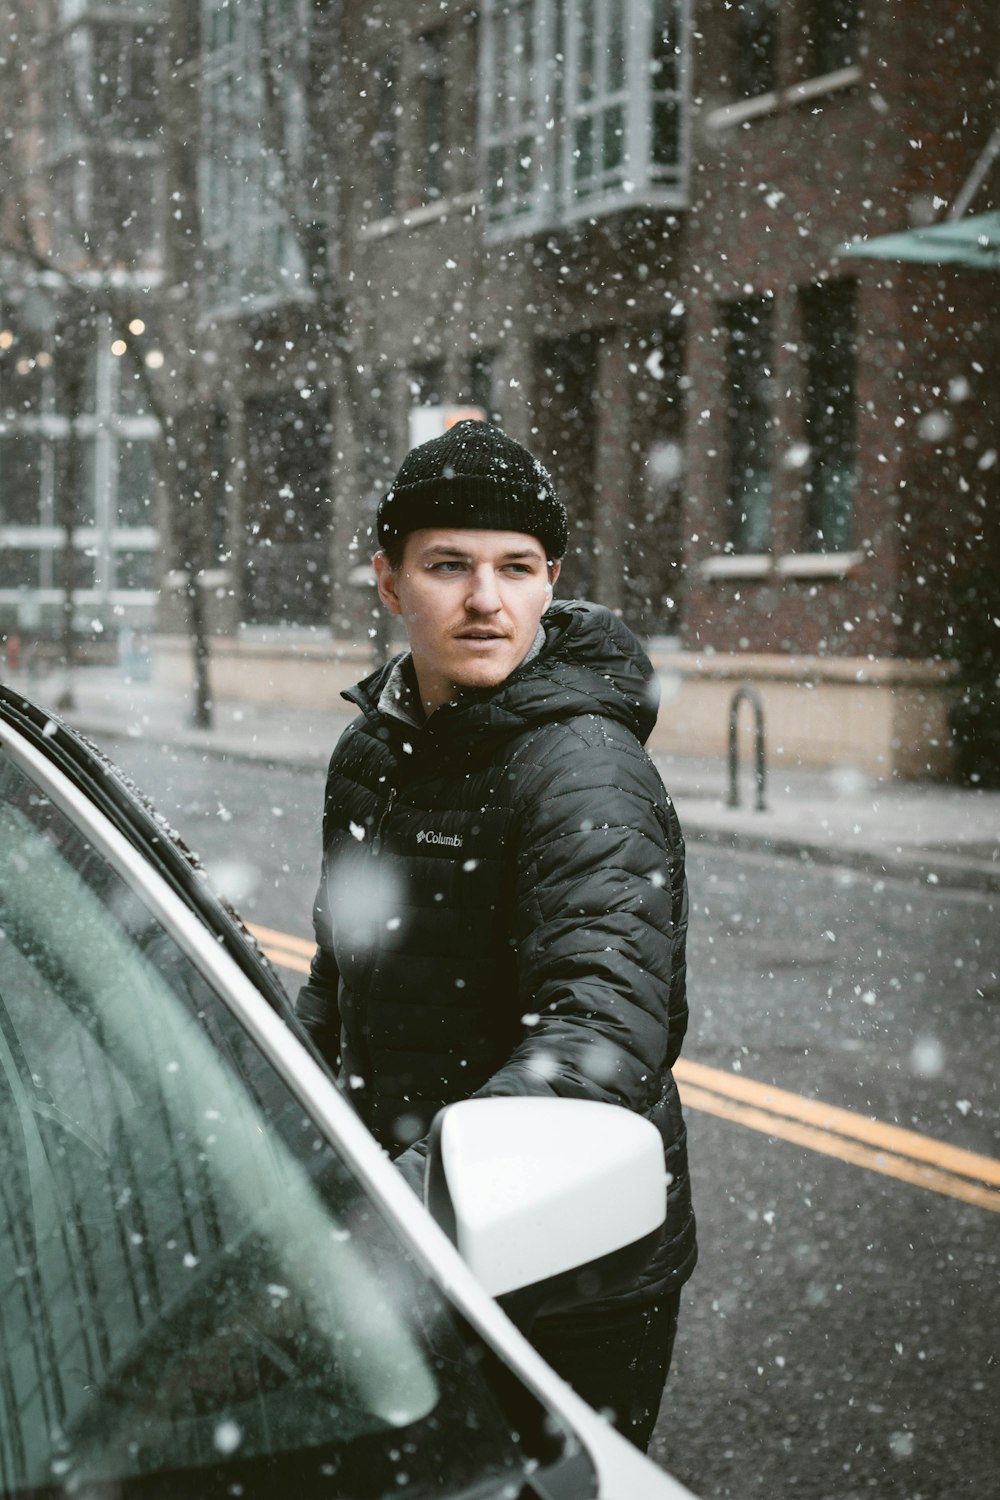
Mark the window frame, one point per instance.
(243, 188)
(555, 105)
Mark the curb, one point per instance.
(191, 739)
(923, 866)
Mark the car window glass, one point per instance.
(189, 1276)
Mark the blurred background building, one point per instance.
(621, 231)
(79, 235)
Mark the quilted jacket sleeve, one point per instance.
(600, 922)
(316, 1004)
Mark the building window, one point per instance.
(666, 73)
(75, 455)
(518, 76)
(125, 79)
(23, 360)
(829, 327)
(101, 135)
(834, 33)
(120, 194)
(757, 46)
(482, 382)
(134, 477)
(134, 571)
(19, 568)
(21, 479)
(286, 511)
(597, 100)
(433, 114)
(254, 145)
(427, 383)
(385, 137)
(749, 345)
(582, 108)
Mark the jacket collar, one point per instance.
(585, 661)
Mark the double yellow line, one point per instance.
(281, 948)
(903, 1154)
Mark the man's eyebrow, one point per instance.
(440, 550)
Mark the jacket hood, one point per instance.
(591, 663)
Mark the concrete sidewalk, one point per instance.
(937, 834)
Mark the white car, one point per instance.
(212, 1281)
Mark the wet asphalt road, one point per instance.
(840, 1337)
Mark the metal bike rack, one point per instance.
(751, 695)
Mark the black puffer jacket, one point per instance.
(503, 907)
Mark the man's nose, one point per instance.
(484, 596)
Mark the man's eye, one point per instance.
(446, 567)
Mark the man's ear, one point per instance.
(554, 570)
(385, 578)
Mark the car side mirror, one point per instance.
(548, 1199)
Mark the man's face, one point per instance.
(470, 601)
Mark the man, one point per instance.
(503, 907)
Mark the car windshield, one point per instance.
(190, 1278)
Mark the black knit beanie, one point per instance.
(473, 476)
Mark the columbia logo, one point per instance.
(453, 840)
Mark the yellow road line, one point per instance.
(889, 1165)
(873, 1144)
(284, 949)
(846, 1122)
(285, 940)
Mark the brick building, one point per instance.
(620, 231)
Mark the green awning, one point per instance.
(973, 241)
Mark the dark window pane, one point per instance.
(124, 80)
(614, 139)
(131, 391)
(834, 31)
(829, 318)
(756, 46)
(666, 133)
(385, 139)
(427, 383)
(122, 217)
(19, 567)
(74, 481)
(617, 43)
(134, 570)
(84, 567)
(135, 484)
(23, 358)
(482, 380)
(583, 168)
(665, 51)
(749, 340)
(21, 459)
(433, 116)
(496, 183)
(287, 511)
(587, 77)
